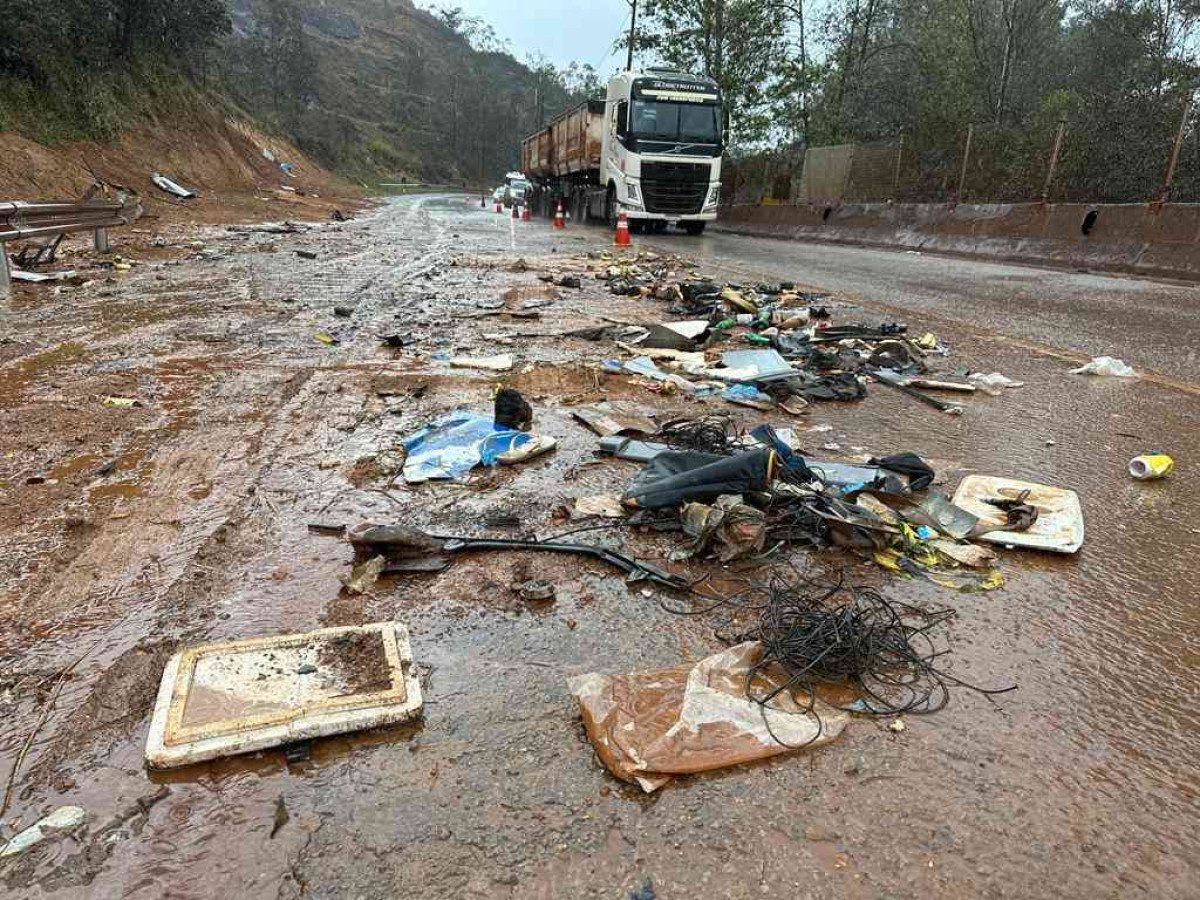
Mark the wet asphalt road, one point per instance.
(1082, 783)
(1151, 325)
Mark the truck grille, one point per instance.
(674, 188)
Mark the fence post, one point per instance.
(1173, 161)
(100, 240)
(1058, 139)
(896, 174)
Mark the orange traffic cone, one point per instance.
(526, 215)
(621, 238)
(498, 207)
(558, 217)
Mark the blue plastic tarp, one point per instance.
(451, 446)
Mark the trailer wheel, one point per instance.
(694, 228)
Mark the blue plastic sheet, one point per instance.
(451, 446)
(745, 392)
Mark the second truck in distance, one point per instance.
(651, 150)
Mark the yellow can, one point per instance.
(1150, 465)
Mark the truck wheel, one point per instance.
(610, 207)
(694, 228)
(659, 226)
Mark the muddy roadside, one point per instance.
(265, 400)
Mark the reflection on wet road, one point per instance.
(1081, 783)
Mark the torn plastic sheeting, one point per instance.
(452, 445)
(1106, 365)
(166, 184)
(675, 477)
(993, 382)
(729, 527)
(649, 726)
(747, 395)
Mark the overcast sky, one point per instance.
(561, 29)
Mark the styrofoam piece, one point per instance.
(239, 697)
(1059, 527)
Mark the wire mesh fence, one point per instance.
(1050, 161)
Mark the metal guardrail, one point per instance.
(20, 220)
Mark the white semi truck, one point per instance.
(651, 150)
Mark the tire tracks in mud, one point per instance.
(161, 596)
(177, 557)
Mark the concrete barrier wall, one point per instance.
(1138, 238)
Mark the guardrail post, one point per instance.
(101, 240)
(5, 277)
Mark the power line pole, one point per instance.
(632, 34)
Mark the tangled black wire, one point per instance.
(825, 635)
(707, 434)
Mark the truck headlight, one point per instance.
(631, 191)
(714, 195)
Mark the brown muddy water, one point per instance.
(184, 520)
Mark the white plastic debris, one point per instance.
(1106, 365)
(499, 363)
(993, 382)
(62, 818)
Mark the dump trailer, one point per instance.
(651, 149)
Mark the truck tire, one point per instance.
(610, 206)
(695, 229)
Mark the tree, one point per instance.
(737, 43)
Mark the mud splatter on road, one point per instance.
(185, 520)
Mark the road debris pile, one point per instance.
(799, 355)
(717, 491)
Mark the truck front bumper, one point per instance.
(633, 211)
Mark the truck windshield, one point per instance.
(681, 122)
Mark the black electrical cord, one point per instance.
(823, 635)
(718, 435)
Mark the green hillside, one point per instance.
(375, 89)
(380, 88)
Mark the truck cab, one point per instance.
(651, 149)
(515, 188)
(661, 149)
